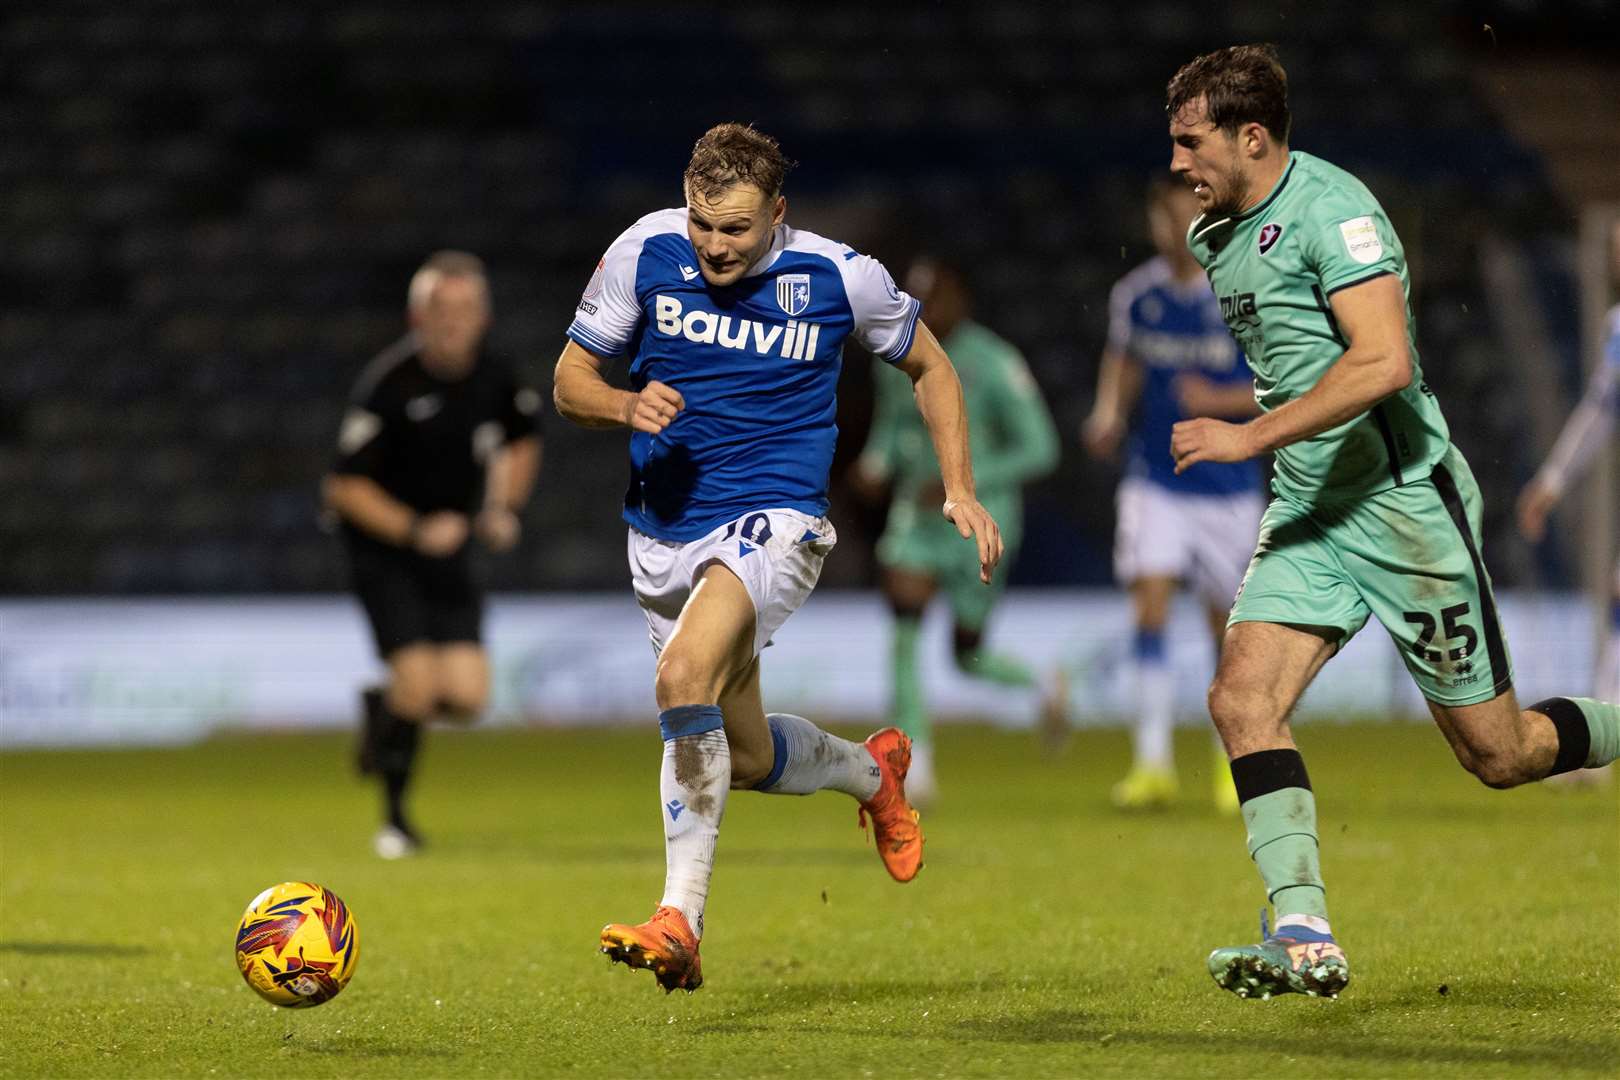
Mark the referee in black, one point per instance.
(439, 448)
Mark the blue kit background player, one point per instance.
(1169, 358)
(734, 325)
(1584, 434)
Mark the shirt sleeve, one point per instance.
(1349, 240)
(1120, 301)
(885, 316)
(364, 435)
(521, 408)
(609, 311)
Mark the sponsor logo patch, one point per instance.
(795, 341)
(1361, 239)
(1269, 234)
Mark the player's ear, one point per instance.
(1255, 139)
(778, 210)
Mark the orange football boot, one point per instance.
(894, 823)
(664, 944)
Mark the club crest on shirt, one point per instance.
(1268, 236)
(793, 293)
(594, 286)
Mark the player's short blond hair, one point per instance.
(732, 154)
(441, 265)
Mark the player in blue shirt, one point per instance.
(1169, 356)
(1585, 432)
(734, 324)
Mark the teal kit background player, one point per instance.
(1169, 357)
(1374, 512)
(734, 324)
(1014, 441)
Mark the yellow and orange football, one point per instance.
(297, 944)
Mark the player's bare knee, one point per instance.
(1235, 705)
(1498, 770)
(1247, 718)
(411, 697)
(459, 707)
(682, 681)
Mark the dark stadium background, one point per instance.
(209, 210)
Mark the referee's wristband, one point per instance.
(413, 532)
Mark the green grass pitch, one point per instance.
(1046, 936)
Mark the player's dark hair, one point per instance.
(732, 154)
(1241, 84)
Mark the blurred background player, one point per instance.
(735, 325)
(1169, 358)
(440, 446)
(1013, 442)
(1586, 430)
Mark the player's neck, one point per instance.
(1268, 172)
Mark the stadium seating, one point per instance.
(211, 217)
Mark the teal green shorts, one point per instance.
(926, 543)
(1410, 557)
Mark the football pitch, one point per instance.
(1046, 936)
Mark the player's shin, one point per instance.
(693, 782)
(996, 668)
(1155, 695)
(1279, 809)
(396, 758)
(909, 713)
(809, 759)
(1588, 732)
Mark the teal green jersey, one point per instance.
(1011, 434)
(1274, 267)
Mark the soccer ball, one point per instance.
(297, 944)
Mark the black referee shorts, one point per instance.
(411, 599)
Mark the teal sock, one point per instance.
(1603, 730)
(1282, 842)
(1279, 809)
(993, 667)
(1588, 732)
(909, 713)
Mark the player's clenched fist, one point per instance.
(440, 534)
(1206, 439)
(973, 520)
(654, 408)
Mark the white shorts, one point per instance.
(776, 554)
(1205, 540)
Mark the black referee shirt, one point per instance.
(426, 441)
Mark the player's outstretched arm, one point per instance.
(1377, 363)
(1119, 384)
(939, 399)
(582, 395)
(1587, 428)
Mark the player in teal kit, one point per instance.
(1374, 512)
(1014, 441)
